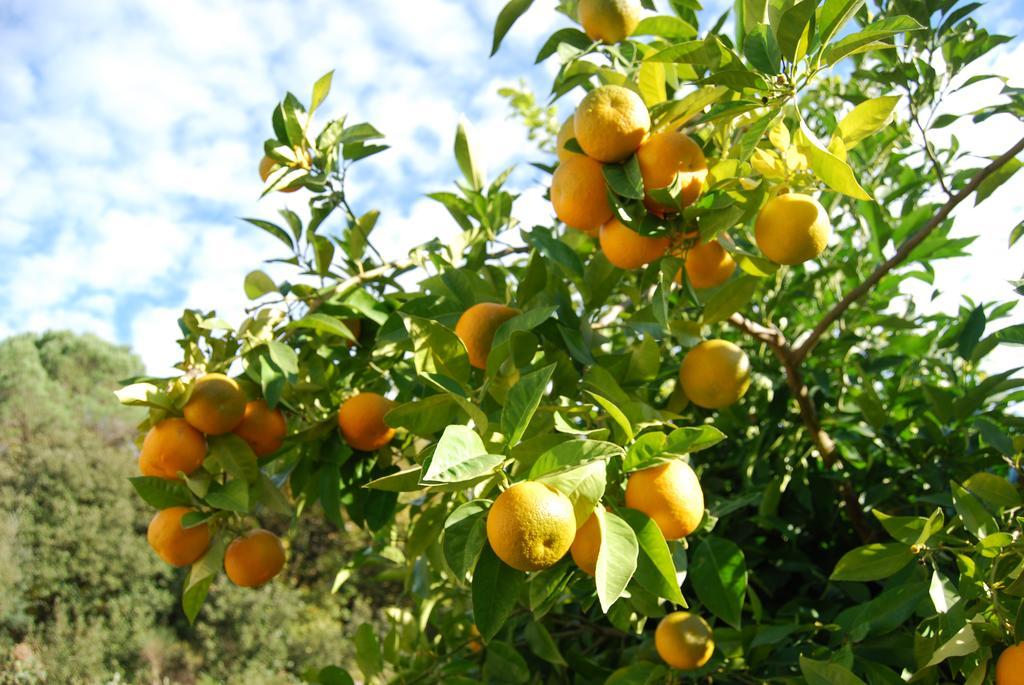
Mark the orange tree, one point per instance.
(692, 429)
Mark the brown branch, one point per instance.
(776, 341)
(901, 254)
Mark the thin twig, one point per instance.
(901, 254)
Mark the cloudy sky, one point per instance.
(132, 130)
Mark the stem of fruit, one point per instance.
(901, 254)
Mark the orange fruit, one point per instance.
(477, 326)
(683, 640)
(1010, 667)
(609, 20)
(666, 154)
(531, 526)
(565, 134)
(579, 194)
(708, 265)
(715, 374)
(361, 420)
(171, 446)
(254, 558)
(216, 404)
(792, 228)
(267, 167)
(262, 427)
(670, 494)
(586, 545)
(176, 545)
(474, 645)
(610, 123)
(627, 249)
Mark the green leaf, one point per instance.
(625, 179)
(638, 673)
(231, 454)
(827, 673)
(504, 664)
(200, 576)
(872, 562)
(615, 413)
(368, 654)
(665, 26)
(571, 36)
(655, 571)
(323, 253)
(406, 480)
(468, 163)
(495, 591)
(542, 644)
(573, 453)
(867, 118)
(718, 573)
(522, 402)
(460, 456)
(232, 496)
(871, 35)
(333, 675)
(971, 333)
(284, 356)
(616, 559)
(1016, 234)
(437, 349)
(730, 298)
(761, 50)
(998, 178)
(651, 83)
(583, 485)
(320, 90)
(834, 172)
(508, 16)
(144, 395)
(324, 323)
(465, 533)
(161, 493)
(274, 230)
(833, 16)
(964, 642)
(793, 27)
(997, 491)
(1011, 335)
(258, 284)
(675, 113)
(977, 520)
(271, 496)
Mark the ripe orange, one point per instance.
(792, 228)
(666, 154)
(254, 558)
(609, 20)
(586, 545)
(531, 526)
(1010, 667)
(708, 265)
(477, 326)
(176, 545)
(267, 167)
(683, 640)
(670, 494)
(474, 645)
(262, 427)
(627, 249)
(361, 420)
(579, 194)
(715, 374)
(216, 405)
(171, 446)
(611, 122)
(565, 134)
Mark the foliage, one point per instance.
(862, 520)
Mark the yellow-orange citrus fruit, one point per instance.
(579, 194)
(792, 228)
(565, 134)
(531, 526)
(683, 640)
(267, 167)
(361, 420)
(171, 446)
(475, 645)
(216, 405)
(708, 265)
(627, 249)
(715, 374)
(477, 326)
(666, 154)
(262, 427)
(176, 545)
(609, 20)
(1010, 667)
(586, 545)
(254, 558)
(611, 123)
(670, 494)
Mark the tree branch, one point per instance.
(901, 254)
(775, 340)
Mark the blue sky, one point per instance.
(132, 131)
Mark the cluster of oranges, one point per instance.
(176, 447)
